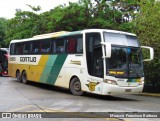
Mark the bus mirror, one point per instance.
(151, 53)
(107, 49)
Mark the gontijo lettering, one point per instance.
(27, 59)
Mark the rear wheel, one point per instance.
(75, 87)
(24, 77)
(18, 76)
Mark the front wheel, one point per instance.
(24, 77)
(75, 87)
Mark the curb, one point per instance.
(150, 94)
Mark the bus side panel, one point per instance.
(11, 70)
(14, 67)
(53, 68)
(33, 69)
(37, 70)
(73, 66)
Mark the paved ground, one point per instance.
(33, 97)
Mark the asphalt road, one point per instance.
(34, 97)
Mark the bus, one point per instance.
(4, 61)
(100, 61)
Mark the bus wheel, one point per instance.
(24, 77)
(18, 76)
(75, 87)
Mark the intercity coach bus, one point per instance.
(99, 61)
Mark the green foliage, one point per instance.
(147, 27)
(2, 31)
(2, 28)
(76, 16)
(24, 25)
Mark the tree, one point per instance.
(147, 27)
(2, 30)
(85, 14)
(25, 24)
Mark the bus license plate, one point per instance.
(128, 90)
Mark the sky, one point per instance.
(8, 7)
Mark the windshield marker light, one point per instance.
(110, 82)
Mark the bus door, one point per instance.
(94, 62)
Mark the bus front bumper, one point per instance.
(109, 89)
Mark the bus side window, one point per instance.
(16, 49)
(79, 45)
(26, 48)
(71, 45)
(12, 49)
(60, 45)
(53, 46)
(45, 46)
(75, 44)
(35, 47)
(20, 48)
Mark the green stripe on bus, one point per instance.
(56, 68)
(133, 80)
(47, 69)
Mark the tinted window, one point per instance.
(45, 46)
(121, 39)
(75, 44)
(12, 49)
(92, 41)
(26, 48)
(59, 45)
(19, 48)
(35, 47)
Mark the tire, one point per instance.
(24, 77)
(18, 76)
(75, 87)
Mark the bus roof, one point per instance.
(66, 33)
(108, 30)
(51, 34)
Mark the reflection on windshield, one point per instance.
(118, 58)
(135, 62)
(125, 62)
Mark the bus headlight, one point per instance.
(141, 82)
(110, 82)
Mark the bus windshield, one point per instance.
(126, 59)
(125, 62)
